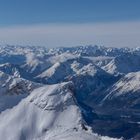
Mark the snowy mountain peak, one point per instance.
(49, 113)
(53, 97)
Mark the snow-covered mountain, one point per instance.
(13, 89)
(124, 94)
(49, 113)
(123, 64)
(69, 93)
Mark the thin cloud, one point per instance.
(53, 35)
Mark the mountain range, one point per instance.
(78, 93)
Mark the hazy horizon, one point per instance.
(53, 23)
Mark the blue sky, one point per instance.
(103, 22)
(67, 11)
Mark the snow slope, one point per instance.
(123, 97)
(49, 113)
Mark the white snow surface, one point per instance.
(48, 113)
